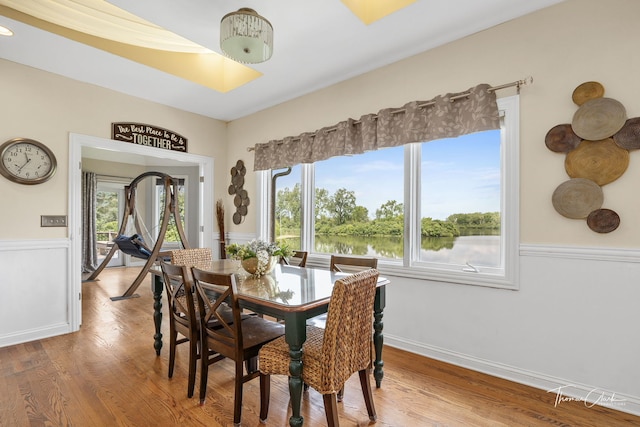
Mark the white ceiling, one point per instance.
(317, 43)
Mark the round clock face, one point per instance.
(26, 161)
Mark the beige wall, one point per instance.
(560, 47)
(47, 107)
(571, 319)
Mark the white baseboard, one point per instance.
(563, 390)
(34, 334)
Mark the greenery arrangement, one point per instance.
(258, 257)
(256, 248)
(340, 215)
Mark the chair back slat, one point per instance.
(216, 292)
(179, 289)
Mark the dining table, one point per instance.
(290, 294)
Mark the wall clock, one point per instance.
(26, 161)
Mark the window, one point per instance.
(171, 238)
(444, 210)
(288, 207)
(353, 212)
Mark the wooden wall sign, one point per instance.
(152, 136)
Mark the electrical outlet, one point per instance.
(53, 220)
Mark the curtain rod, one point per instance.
(114, 177)
(526, 81)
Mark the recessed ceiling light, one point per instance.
(4, 31)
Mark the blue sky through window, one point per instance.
(459, 175)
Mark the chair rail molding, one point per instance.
(581, 252)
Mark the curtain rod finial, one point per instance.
(526, 81)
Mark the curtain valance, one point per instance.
(445, 116)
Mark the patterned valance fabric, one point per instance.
(445, 116)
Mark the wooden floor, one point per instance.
(107, 374)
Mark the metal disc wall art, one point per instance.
(597, 145)
(241, 199)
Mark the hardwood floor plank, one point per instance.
(108, 374)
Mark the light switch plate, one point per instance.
(53, 220)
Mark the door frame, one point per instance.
(76, 143)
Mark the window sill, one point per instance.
(396, 269)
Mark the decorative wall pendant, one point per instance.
(597, 145)
(241, 199)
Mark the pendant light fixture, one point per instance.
(246, 37)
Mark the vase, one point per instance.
(254, 267)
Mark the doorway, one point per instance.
(84, 146)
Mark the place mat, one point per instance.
(603, 220)
(599, 118)
(577, 198)
(599, 161)
(561, 139)
(586, 92)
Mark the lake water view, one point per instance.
(477, 250)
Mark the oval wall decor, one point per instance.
(603, 220)
(241, 199)
(600, 161)
(577, 198)
(599, 118)
(562, 139)
(586, 92)
(597, 145)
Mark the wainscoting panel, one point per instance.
(35, 290)
(571, 327)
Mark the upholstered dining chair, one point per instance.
(193, 257)
(331, 355)
(239, 340)
(298, 258)
(344, 264)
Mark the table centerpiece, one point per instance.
(258, 257)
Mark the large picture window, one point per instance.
(443, 210)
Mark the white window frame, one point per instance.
(155, 200)
(409, 266)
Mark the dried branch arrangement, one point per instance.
(220, 220)
(220, 217)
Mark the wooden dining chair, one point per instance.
(331, 355)
(181, 302)
(239, 340)
(298, 258)
(182, 317)
(351, 264)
